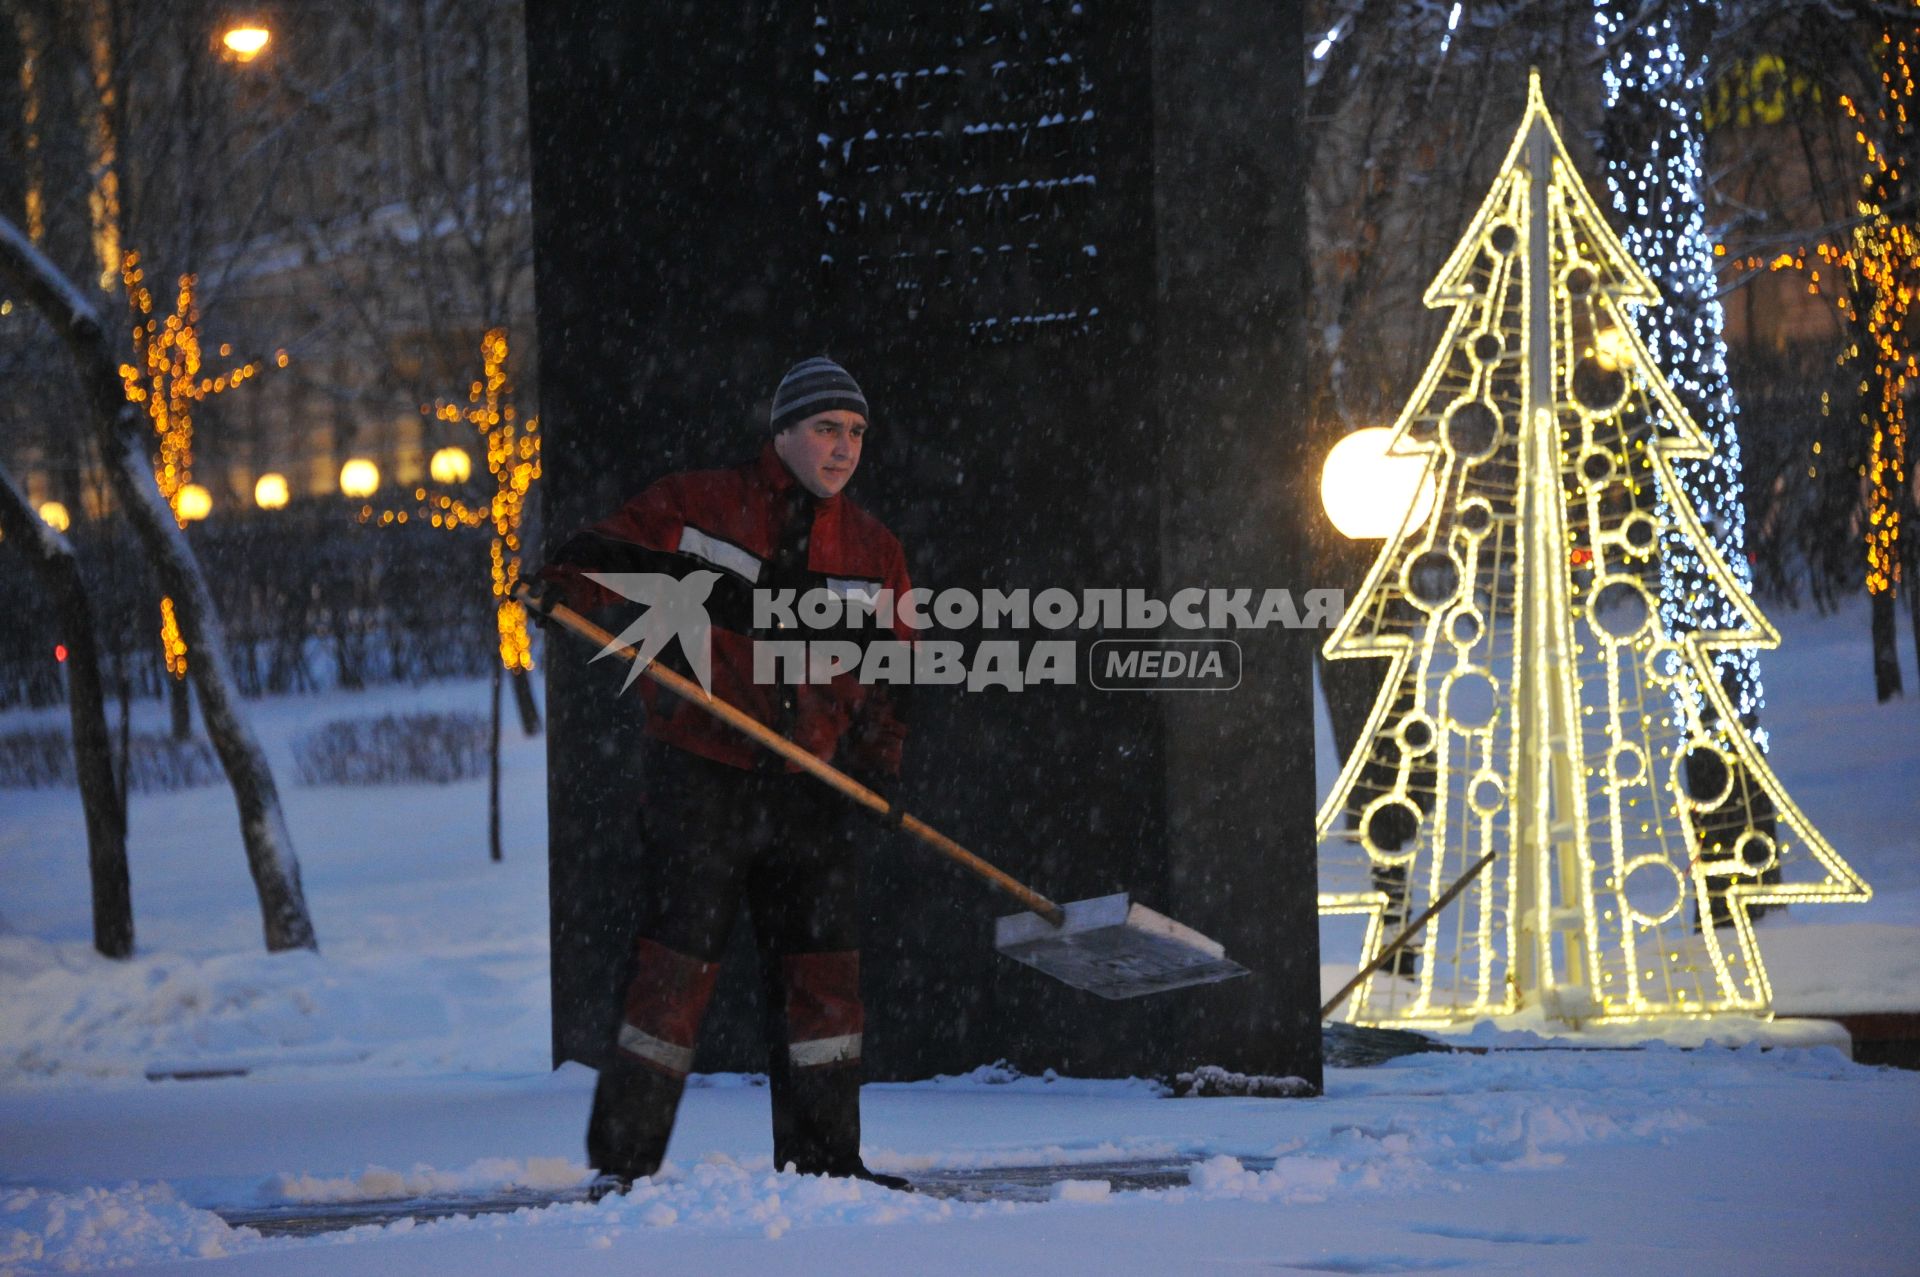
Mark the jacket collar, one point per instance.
(770, 470)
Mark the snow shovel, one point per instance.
(1109, 945)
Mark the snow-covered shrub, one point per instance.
(44, 760)
(35, 760)
(393, 751)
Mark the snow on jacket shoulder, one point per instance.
(730, 521)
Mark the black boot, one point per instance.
(816, 1118)
(893, 1182)
(633, 1108)
(816, 1124)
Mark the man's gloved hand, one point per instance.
(540, 598)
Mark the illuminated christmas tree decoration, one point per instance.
(1539, 703)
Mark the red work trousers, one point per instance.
(717, 837)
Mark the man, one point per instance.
(727, 822)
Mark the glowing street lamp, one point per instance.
(193, 503)
(1369, 494)
(450, 465)
(270, 491)
(246, 41)
(359, 478)
(55, 515)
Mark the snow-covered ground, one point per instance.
(411, 1054)
(1643, 1162)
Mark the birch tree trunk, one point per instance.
(1886, 646)
(101, 798)
(523, 699)
(122, 436)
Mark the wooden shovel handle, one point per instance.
(764, 735)
(1412, 930)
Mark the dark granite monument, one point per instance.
(1060, 245)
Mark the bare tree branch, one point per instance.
(120, 428)
(52, 556)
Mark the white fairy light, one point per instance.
(1650, 68)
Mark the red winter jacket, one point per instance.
(733, 521)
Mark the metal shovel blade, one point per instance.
(1115, 948)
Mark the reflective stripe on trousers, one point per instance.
(824, 1014)
(665, 1004)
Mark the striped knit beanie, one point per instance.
(814, 386)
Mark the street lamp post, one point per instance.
(1368, 492)
(359, 478)
(245, 41)
(193, 503)
(450, 466)
(270, 491)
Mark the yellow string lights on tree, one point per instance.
(167, 379)
(1873, 279)
(513, 460)
(1536, 705)
(1883, 263)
